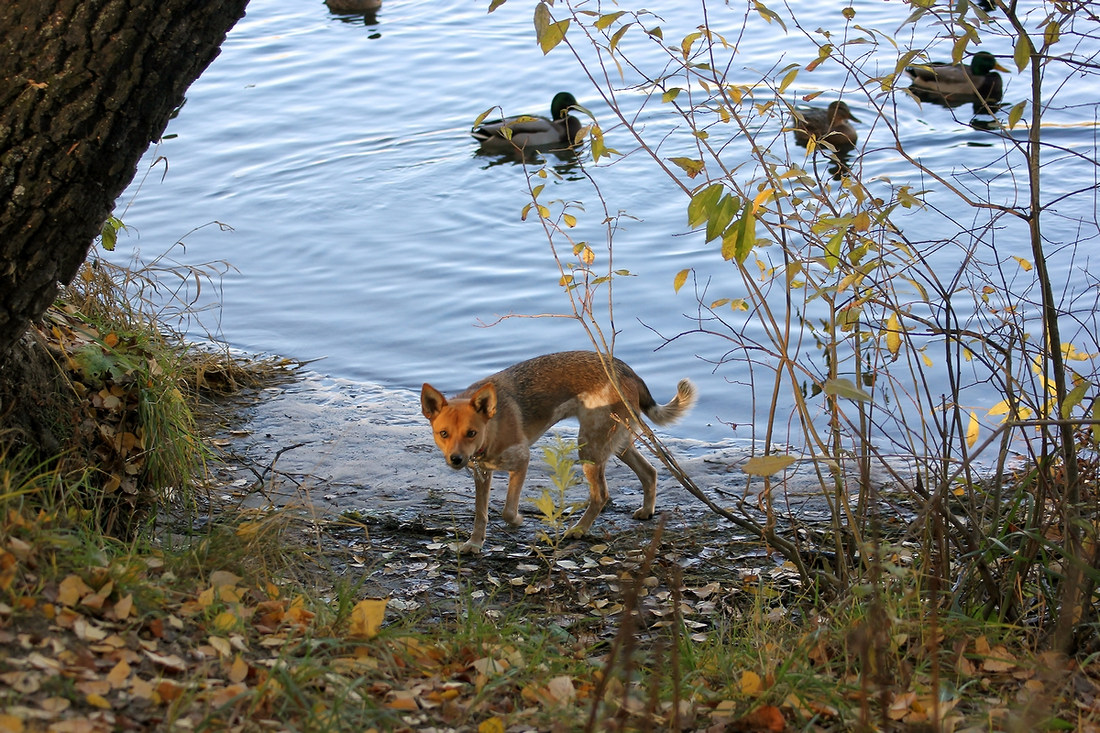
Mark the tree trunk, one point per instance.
(85, 86)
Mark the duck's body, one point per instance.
(953, 85)
(530, 131)
(831, 126)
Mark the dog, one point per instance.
(493, 423)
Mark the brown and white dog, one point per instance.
(493, 423)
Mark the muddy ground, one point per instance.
(359, 464)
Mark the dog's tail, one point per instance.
(675, 408)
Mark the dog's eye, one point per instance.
(443, 433)
(471, 433)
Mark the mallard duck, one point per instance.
(954, 84)
(530, 131)
(831, 125)
(353, 7)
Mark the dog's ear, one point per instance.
(485, 400)
(432, 401)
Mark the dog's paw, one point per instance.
(470, 548)
(643, 514)
(575, 532)
(513, 520)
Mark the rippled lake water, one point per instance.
(364, 230)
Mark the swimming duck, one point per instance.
(954, 84)
(530, 131)
(830, 126)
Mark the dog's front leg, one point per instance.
(483, 481)
(516, 478)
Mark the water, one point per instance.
(364, 231)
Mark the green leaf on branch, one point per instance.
(845, 389)
(768, 14)
(691, 166)
(604, 21)
(719, 217)
(1052, 33)
(547, 32)
(1022, 53)
(701, 203)
(788, 78)
(108, 235)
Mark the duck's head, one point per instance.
(562, 103)
(983, 63)
(838, 112)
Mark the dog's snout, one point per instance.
(457, 460)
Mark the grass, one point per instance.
(219, 630)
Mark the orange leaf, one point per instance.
(765, 718)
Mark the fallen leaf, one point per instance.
(123, 608)
(999, 660)
(491, 725)
(169, 661)
(98, 701)
(751, 684)
(366, 617)
(239, 670)
(561, 689)
(97, 599)
(765, 719)
(219, 578)
(71, 590)
(119, 674)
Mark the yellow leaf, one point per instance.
(11, 724)
(367, 616)
(1022, 53)
(206, 598)
(767, 465)
(225, 621)
(893, 334)
(751, 684)
(491, 725)
(119, 674)
(239, 671)
(98, 701)
(1023, 263)
(972, 431)
(680, 279)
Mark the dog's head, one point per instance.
(459, 427)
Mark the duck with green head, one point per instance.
(531, 131)
(832, 126)
(952, 85)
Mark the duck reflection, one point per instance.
(830, 129)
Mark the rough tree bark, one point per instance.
(85, 85)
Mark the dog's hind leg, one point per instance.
(597, 497)
(648, 476)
